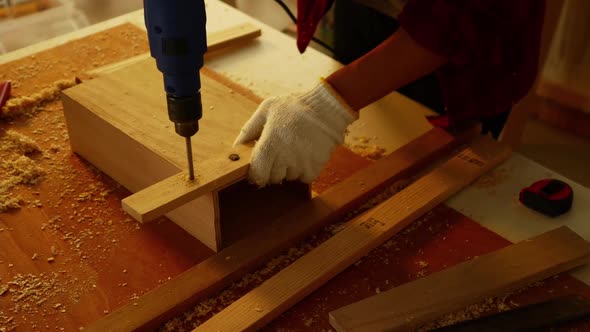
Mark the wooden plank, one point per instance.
(233, 36)
(169, 194)
(364, 233)
(217, 272)
(216, 41)
(415, 303)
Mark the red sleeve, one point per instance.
(492, 46)
(466, 30)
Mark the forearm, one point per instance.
(394, 63)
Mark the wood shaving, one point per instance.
(17, 166)
(364, 148)
(29, 105)
(15, 142)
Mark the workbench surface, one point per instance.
(271, 65)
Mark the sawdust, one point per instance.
(17, 167)
(29, 105)
(81, 240)
(40, 294)
(364, 147)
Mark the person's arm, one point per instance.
(394, 63)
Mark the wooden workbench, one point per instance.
(382, 126)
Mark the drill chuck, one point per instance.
(185, 112)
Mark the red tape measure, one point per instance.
(549, 196)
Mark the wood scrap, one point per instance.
(217, 272)
(507, 269)
(366, 232)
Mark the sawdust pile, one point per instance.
(40, 294)
(364, 147)
(18, 166)
(29, 105)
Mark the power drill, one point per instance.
(178, 42)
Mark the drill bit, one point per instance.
(189, 155)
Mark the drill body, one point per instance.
(178, 42)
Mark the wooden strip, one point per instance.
(415, 303)
(217, 272)
(169, 194)
(216, 41)
(363, 234)
(232, 36)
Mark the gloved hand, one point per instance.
(297, 134)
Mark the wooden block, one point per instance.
(418, 302)
(119, 123)
(218, 272)
(364, 233)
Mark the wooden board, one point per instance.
(364, 233)
(231, 263)
(507, 269)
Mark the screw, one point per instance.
(234, 157)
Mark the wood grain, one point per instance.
(494, 274)
(364, 233)
(217, 272)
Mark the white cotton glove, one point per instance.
(297, 134)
